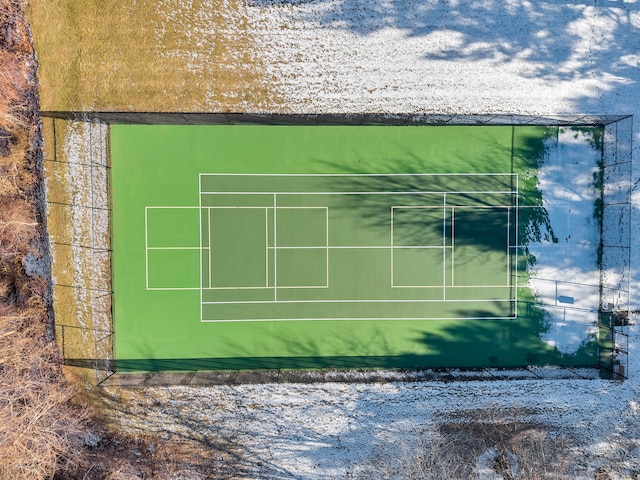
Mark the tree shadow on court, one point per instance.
(484, 223)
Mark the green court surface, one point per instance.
(247, 247)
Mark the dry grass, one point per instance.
(48, 427)
(188, 56)
(37, 419)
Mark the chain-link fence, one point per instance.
(615, 247)
(614, 213)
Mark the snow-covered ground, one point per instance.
(459, 57)
(566, 275)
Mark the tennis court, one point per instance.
(242, 247)
(297, 244)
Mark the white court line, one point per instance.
(257, 287)
(365, 247)
(391, 243)
(354, 319)
(275, 250)
(232, 207)
(419, 192)
(266, 244)
(302, 286)
(211, 248)
(508, 245)
(517, 240)
(453, 242)
(174, 248)
(249, 302)
(475, 207)
(260, 287)
(171, 206)
(173, 288)
(502, 174)
(453, 286)
(146, 248)
(326, 231)
(444, 246)
(357, 319)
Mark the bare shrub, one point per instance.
(491, 443)
(37, 419)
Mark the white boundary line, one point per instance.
(173, 288)
(444, 246)
(453, 244)
(201, 255)
(212, 249)
(488, 174)
(322, 286)
(171, 207)
(326, 231)
(146, 247)
(266, 244)
(250, 302)
(275, 248)
(354, 319)
(356, 247)
(517, 241)
(508, 245)
(419, 192)
(391, 243)
(173, 248)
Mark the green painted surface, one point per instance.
(227, 247)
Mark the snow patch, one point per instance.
(566, 275)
